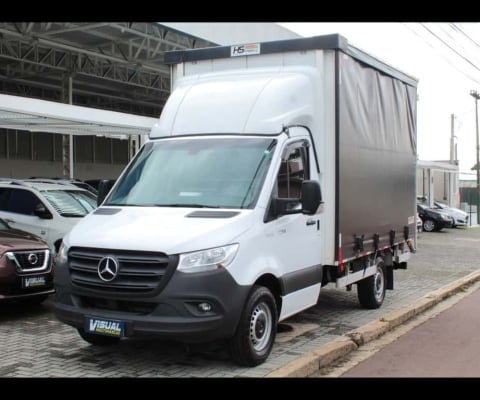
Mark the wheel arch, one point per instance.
(273, 284)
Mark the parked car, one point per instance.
(460, 218)
(26, 266)
(96, 182)
(47, 210)
(76, 182)
(419, 223)
(433, 220)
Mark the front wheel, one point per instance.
(98, 340)
(371, 290)
(253, 340)
(429, 225)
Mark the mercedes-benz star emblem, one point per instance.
(32, 258)
(107, 269)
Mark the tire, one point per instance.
(253, 340)
(429, 225)
(97, 340)
(371, 290)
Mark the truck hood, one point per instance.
(167, 230)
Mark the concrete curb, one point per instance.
(306, 365)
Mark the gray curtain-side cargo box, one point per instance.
(375, 136)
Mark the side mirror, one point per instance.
(41, 212)
(311, 197)
(104, 187)
(310, 201)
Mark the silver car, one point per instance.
(460, 218)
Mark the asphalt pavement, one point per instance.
(35, 344)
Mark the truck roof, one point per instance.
(323, 42)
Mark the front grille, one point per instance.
(137, 273)
(30, 260)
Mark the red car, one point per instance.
(26, 266)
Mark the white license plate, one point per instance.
(102, 326)
(33, 281)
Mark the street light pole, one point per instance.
(476, 95)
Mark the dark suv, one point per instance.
(26, 266)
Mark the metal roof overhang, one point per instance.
(438, 165)
(35, 115)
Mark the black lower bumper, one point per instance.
(191, 307)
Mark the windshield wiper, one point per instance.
(128, 205)
(72, 215)
(186, 205)
(161, 205)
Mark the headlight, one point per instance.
(206, 260)
(445, 217)
(62, 254)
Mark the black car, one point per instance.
(433, 220)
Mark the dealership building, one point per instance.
(77, 99)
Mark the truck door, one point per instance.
(295, 238)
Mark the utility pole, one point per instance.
(451, 178)
(452, 140)
(476, 95)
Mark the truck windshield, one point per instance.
(196, 172)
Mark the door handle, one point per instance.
(311, 222)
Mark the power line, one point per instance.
(459, 29)
(462, 42)
(440, 54)
(465, 42)
(450, 47)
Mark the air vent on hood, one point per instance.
(107, 211)
(212, 214)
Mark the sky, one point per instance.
(445, 58)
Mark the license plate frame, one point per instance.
(34, 281)
(104, 326)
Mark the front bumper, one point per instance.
(173, 314)
(13, 287)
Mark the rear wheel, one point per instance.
(371, 290)
(98, 340)
(253, 341)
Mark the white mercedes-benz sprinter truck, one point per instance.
(275, 169)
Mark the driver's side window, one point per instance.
(293, 171)
(287, 190)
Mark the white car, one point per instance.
(48, 210)
(460, 218)
(419, 223)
